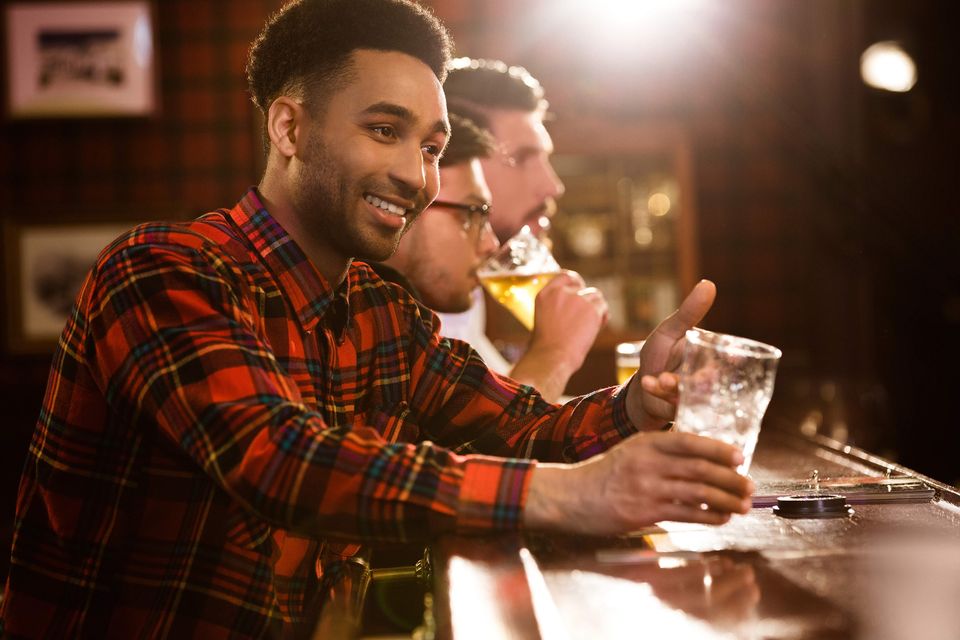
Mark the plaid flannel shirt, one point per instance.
(216, 411)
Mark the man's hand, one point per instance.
(567, 317)
(652, 394)
(647, 478)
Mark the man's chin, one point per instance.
(379, 251)
(452, 306)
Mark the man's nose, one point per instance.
(488, 242)
(409, 169)
(550, 183)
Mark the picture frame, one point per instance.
(46, 263)
(80, 59)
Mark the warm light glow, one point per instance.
(650, 22)
(643, 236)
(474, 612)
(885, 65)
(612, 607)
(544, 608)
(659, 204)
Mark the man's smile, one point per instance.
(385, 205)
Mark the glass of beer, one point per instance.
(726, 383)
(627, 359)
(515, 274)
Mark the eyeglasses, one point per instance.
(475, 216)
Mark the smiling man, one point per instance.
(437, 258)
(236, 405)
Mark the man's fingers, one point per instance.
(587, 292)
(692, 310)
(665, 383)
(688, 444)
(716, 475)
(567, 278)
(699, 493)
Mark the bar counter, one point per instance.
(889, 569)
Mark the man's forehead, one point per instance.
(379, 78)
(515, 129)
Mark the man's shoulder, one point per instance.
(209, 232)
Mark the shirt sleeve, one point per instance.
(176, 350)
(472, 409)
(469, 326)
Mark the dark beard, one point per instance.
(323, 196)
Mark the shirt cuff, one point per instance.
(621, 419)
(493, 493)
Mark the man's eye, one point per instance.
(384, 131)
(432, 150)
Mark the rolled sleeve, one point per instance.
(493, 493)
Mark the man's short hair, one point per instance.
(304, 49)
(467, 141)
(476, 85)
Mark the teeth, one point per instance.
(386, 206)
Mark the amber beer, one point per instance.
(628, 360)
(624, 373)
(516, 291)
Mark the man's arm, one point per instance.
(180, 354)
(567, 317)
(648, 478)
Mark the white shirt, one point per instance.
(470, 326)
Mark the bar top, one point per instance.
(890, 570)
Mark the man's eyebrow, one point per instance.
(399, 111)
(442, 126)
(391, 109)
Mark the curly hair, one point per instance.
(476, 85)
(304, 49)
(467, 141)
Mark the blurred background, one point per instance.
(734, 140)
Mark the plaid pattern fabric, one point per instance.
(215, 412)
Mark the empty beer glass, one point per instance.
(726, 383)
(516, 273)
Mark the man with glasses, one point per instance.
(438, 258)
(509, 103)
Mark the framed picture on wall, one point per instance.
(46, 264)
(80, 59)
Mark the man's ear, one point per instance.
(285, 121)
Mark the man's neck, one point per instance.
(397, 261)
(275, 199)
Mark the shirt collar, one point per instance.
(303, 285)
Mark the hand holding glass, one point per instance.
(516, 273)
(726, 383)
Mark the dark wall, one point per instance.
(198, 153)
(909, 209)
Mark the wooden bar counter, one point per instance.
(888, 570)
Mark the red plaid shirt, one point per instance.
(215, 411)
